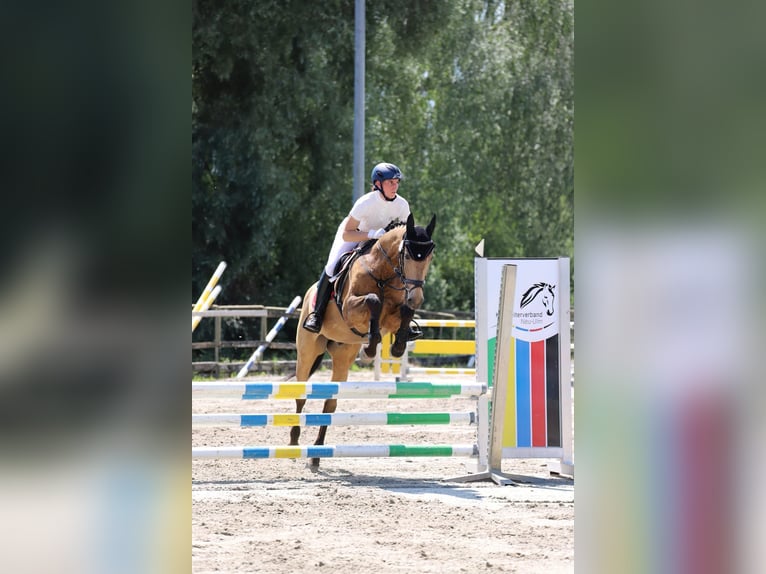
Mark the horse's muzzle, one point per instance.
(414, 297)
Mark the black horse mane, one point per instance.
(394, 224)
(421, 244)
(365, 246)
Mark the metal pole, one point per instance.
(359, 61)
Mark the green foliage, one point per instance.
(474, 100)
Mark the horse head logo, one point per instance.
(542, 290)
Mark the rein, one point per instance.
(407, 284)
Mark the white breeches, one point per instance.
(339, 247)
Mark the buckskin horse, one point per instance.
(379, 295)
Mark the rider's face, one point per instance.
(390, 187)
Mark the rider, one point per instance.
(367, 220)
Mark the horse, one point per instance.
(379, 295)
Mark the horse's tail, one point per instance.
(314, 367)
(317, 363)
(288, 376)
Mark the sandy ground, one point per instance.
(384, 515)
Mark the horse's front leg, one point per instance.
(400, 341)
(329, 407)
(375, 306)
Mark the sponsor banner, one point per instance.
(533, 409)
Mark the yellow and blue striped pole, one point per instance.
(334, 419)
(346, 389)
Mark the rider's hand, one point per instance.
(376, 233)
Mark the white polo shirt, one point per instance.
(372, 211)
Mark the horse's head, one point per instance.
(415, 253)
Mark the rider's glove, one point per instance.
(376, 233)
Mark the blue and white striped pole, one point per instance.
(337, 451)
(269, 338)
(341, 390)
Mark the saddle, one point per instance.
(344, 266)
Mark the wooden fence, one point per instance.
(266, 316)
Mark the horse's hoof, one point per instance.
(363, 358)
(313, 466)
(370, 351)
(397, 349)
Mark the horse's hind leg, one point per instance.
(400, 341)
(343, 356)
(329, 407)
(295, 432)
(311, 348)
(303, 371)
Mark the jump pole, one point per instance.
(256, 356)
(209, 287)
(440, 371)
(205, 306)
(337, 451)
(426, 347)
(346, 389)
(334, 419)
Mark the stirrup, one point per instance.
(414, 331)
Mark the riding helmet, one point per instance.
(384, 171)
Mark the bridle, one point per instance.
(425, 249)
(407, 284)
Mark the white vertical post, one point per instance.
(376, 365)
(483, 430)
(566, 465)
(404, 360)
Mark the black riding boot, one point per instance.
(313, 322)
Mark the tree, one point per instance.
(489, 136)
(472, 99)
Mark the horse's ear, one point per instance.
(431, 226)
(410, 224)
